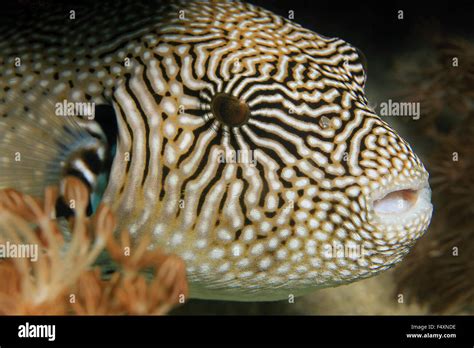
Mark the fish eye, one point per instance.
(230, 110)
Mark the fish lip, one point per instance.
(415, 185)
(422, 206)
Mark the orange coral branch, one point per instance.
(63, 280)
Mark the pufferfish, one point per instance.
(244, 142)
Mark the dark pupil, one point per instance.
(230, 110)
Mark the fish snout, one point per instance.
(402, 208)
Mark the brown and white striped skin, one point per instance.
(322, 155)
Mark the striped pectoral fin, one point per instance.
(38, 148)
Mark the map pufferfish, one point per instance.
(244, 143)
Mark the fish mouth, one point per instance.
(402, 203)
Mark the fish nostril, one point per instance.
(396, 202)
